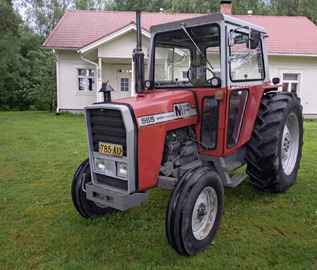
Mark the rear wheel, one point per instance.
(194, 211)
(87, 208)
(275, 148)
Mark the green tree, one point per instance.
(258, 7)
(143, 5)
(193, 6)
(12, 64)
(90, 4)
(9, 20)
(42, 90)
(43, 15)
(27, 73)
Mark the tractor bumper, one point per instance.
(114, 199)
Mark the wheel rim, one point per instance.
(204, 213)
(290, 143)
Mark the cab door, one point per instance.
(245, 77)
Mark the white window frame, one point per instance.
(77, 76)
(125, 71)
(299, 74)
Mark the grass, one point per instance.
(40, 228)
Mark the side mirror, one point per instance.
(254, 39)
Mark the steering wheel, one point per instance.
(196, 81)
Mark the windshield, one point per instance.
(178, 61)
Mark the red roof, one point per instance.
(78, 28)
(287, 35)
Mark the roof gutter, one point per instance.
(58, 48)
(289, 54)
(97, 67)
(88, 61)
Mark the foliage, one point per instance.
(9, 22)
(43, 89)
(143, 5)
(27, 73)
(41, 229)
(195, 6)
(43, 15)
(90, 4)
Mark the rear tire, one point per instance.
(194, 211)
(275, 148)
(87, 208)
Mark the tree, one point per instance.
(192, 6)
(143, 5)
(43, 15)
(12, 65)
(9, 20)
(307, 8)
(90, 4)
(42, 91)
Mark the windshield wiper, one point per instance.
(193, 41)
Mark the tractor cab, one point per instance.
(211, 51)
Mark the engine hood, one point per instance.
(162, 106)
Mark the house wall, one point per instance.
(307, 68)
(69, 97)
(122, 47)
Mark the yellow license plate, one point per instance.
(110, 149)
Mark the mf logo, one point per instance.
(181, 109)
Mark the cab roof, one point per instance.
(207, 19)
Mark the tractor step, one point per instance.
(235, 180)
(233, 165)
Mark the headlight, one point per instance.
(107, 167)
(122, 170)
(100, 164)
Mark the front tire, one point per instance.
(275, 148)
(194, 211)
(87, 208)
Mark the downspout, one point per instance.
(57, 82)
(98, 73)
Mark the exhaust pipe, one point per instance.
(138, 58)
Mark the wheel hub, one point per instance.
(201, 211)
(290, 144)
(204, 213)
(287, 143)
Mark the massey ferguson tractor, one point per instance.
(207, 108)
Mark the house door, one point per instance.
(123, 88)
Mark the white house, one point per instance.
(96, 46)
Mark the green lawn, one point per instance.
(40, 228)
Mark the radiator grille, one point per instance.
(107, 126)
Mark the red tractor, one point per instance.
(207, 108)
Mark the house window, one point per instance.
(291, 83)
(124, 76)
(124, 82)
(86, 79)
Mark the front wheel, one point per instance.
(87, 208)
(194, 211)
